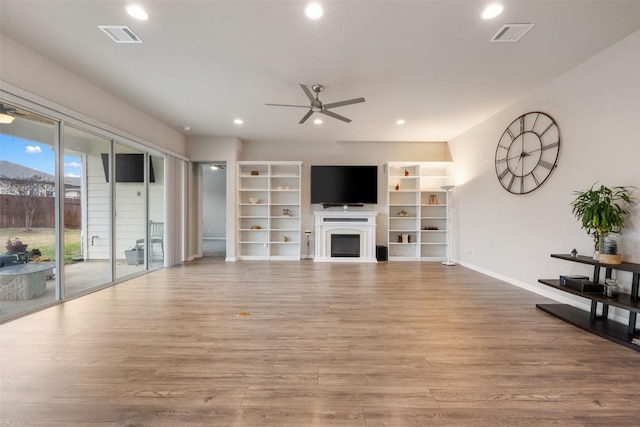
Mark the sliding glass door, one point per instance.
(156, 214)
(130, 210)
(81, 209)
(87, 211)
(27, 214)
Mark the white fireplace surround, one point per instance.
(336, 222)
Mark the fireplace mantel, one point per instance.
(347, 222)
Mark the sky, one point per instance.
(36, 156)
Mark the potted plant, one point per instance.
(15, 246)
(601, 211)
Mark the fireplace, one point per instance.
(343, 236)
(345, 245)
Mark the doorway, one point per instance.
(214, 205)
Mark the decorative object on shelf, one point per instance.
(256, 227)
(524, 164)
(611, 288)
(430, 228)
(280, 187)
(433, 199)
(255, 173)
(285, 239)
(406, 172)
(404, 238)
(286, 187)
(601, 211)
(574, 253)
(397, 187)
(610, 249)
(286, 212)
(254, 200)
(448, 189)
(403, 213)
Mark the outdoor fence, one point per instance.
(13, 212)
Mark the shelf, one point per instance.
(623, 301)
(416, 190)
(278, 185)
(625, 266)
(591, 321)
(608, 329)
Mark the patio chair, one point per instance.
(156, 235)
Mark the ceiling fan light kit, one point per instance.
(318, 106)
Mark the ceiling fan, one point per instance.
(8, 113)
(317, 106)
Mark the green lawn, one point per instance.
(44, 239)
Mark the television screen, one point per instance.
(344, 185)
(129, 167)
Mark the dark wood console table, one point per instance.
(590, 321)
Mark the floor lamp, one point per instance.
(448, 189)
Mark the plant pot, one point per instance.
(610, 249)
(14, 249)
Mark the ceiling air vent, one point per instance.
(120, 33)
(511, 32)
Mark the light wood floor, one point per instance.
(400, 344)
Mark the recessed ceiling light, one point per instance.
(137, 12)
(314, 11)
(400, 122)
(318, 121)
(214, 167)
(491, 11)
(238, 121)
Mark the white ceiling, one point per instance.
(204, 63)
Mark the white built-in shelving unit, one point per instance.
(269, 229)
(418, 210)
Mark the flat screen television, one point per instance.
(344, 185)
(129, 167)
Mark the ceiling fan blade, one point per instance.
(306, 116)
(336, 116)
(287, 105)
(309, 94)
(341, 103)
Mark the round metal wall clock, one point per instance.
(527, 152)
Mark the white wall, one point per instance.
(24, 69)
(347, 153)
(209, 150)
(231, 150)
(597, 107)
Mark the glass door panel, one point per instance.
(87, 211)
(27, 217)
(130, 210)
(156, 214)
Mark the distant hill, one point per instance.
(10, 170)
